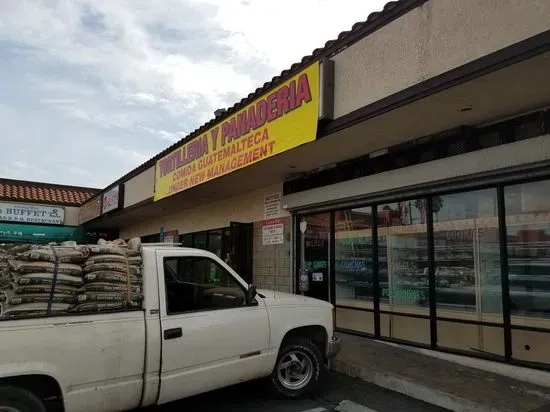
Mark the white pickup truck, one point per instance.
(201, 327)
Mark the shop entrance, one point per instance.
(314, 255)
(233, 244)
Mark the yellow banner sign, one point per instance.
(282, 119)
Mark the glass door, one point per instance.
(313, 252)
(241, 235)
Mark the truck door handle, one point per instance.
(173, 333)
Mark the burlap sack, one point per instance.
(110, 277)
(103, 306)
(105, 250)
(64, 255)
(134, 245)
(46, 279)
(113, 267)
(5, 277)
(109, 287)
(132, 260)
(15, 249)
(44, 289)
(118, 247)
(31, 309)
(108, 297)
(43, 267)
(10, 297)
(116, 242)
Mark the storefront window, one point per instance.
(403, 253)
(353, 256)
(403, 269)
(215, 242)
(151, 238)
(467, 254)
(200, 240)
(467, 270)
(186, 240)
(528, 230)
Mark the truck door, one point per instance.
(210, 336)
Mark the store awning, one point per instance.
(12, 232)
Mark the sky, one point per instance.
(91, 89)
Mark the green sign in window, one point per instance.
(404, 293)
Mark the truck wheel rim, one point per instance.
(295, 370)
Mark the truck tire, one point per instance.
(14, 399)
(299, 370)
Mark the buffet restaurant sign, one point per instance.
(280, 120)
(30, 213)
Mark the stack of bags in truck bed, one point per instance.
(31, 270)
(112, 278)
(87, 278)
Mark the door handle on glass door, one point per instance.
(173, 333)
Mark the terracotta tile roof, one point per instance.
(33, 192)
(376, 20)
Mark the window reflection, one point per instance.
(200, 240)
(467, 254)
(215, 242)
(403, 253)
(528, 230)
(186, 240)
(353, 256)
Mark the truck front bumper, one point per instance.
(333, 348)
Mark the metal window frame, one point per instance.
(521, 178)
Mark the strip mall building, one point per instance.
(33, 212)
(400, 172)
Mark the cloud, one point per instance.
(93, 88)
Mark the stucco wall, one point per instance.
(71, 216)
(432, 39)
(271, 263)
(139, 188)
(245, 208)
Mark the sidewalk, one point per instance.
(441, 382)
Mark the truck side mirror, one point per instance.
(250, 294)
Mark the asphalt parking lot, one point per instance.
(340, 390)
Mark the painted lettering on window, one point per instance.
(403, 293)
(316, 264)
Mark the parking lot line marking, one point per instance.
(349, 406)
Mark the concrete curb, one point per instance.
(413, 389)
